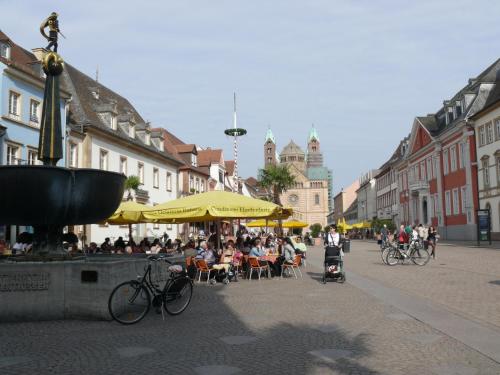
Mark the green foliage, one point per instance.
(315, 229)
(132, 183)
(377, 224)
(326, 229)
(278, 179)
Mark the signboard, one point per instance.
(483, 226)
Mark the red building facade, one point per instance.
(437, 178)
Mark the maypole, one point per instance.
(235, 132)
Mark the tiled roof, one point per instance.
(88, 95)
(20, 58)
(229, 167)
(209, 156)
(182, 148)
(318, 173)
(172, 144)
(292, 149)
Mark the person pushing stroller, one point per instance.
(333, 264)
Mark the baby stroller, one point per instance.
(333, 265)
(223, 276)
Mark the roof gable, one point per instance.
(420, 136)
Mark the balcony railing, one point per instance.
(418, 185)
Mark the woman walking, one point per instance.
(431, 238)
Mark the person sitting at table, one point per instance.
(288, 250)
(205, 253)
(300, 247)
(269, 245)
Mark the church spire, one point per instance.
(313, 134)
(270, 135)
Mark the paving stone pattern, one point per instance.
(288, 326)
(461, 279)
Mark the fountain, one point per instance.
(46, 196)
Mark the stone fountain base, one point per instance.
(78, 289)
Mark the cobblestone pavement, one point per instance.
(287, 326)
(464, 280)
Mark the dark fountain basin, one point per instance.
(49, 198)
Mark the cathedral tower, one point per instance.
(269, 149)
(314, 155)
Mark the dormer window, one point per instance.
(194, 160)
(449, 115)
(458, 108)
(147, 139)
(131, 131)
(5, 50)
(113, 121)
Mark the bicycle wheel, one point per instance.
(384, 254)
(392, 257)
(420, 256)
(178, 295)
(129, 302)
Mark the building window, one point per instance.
(202, 186)
(447, 202)
(73, 155)
(113, 121)
(463, 195)
(32, 157)
(221, 176)
(197, 186)
(5, 50)
(140, 172)
(316, 199)
(156, 178)
(169, 181)
(456, 209)
(489, 132)
(445, 162)
(12, 155)
(429, 169)
(103, 160)
(34, 111)
(458, 108)
(481, 136)
(486, 172)
(497, 128)
(14, 104)
(453, 157)
(123, 165)
(435, 167)
(194, 160)
(191, 183)
(461, 157)
(436, 205)
(269, 150)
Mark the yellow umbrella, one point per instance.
(213, 205)
(294, 224)
(366, 224)
(128, 212)
(261, 223)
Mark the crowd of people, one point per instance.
(428, 236)
(264, 248)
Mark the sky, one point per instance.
(359, 70)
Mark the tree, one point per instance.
(278, 179)
(132, 183)
(315, 229)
